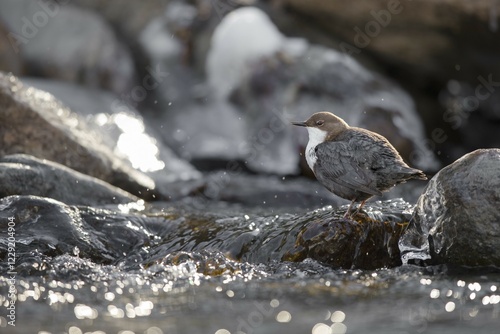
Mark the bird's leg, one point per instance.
(359, 208)
(348, 213)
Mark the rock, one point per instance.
(133, 236)
(242, 37)
(9, 61)
(138, 14)
(322, 235)
(69, 43)
(457, 220)
(34, 122)
(48, 227)
(124, 130)
(49, 179)
(340, 243)
(207, 134)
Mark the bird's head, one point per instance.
(324, 124)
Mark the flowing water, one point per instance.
(214, 267)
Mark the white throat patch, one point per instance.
(316, 136)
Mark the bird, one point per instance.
(353, 163)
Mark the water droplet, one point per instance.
(338, 316)
(283, 316)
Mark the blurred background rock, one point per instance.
(214, 86)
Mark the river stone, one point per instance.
(48, 227)
(49, 179)
(457, 220)
(45, 227)
(123, 129)
(368, 241)
(34, 122)
(66, 42)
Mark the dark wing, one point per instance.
(336, 162)
(381, 158)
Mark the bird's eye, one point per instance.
(320, 122)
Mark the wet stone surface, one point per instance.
(170, 265)
(34, 122)
(49, 179)
(145, 238)
(457, 220)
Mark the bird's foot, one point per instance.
(351, 216)
(358, 210)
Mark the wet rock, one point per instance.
(370, 242)
(456, 220)
(133, 235)
(124, 130)
(48, 227)
(365, 242)
(44, 35)
(34, 122)
(49, 179)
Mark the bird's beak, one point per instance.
(299, 123)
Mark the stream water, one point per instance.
(193, 267)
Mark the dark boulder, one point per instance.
(46, 227)
(367, 242)
(457, 220)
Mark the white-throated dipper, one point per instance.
(351, 162)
